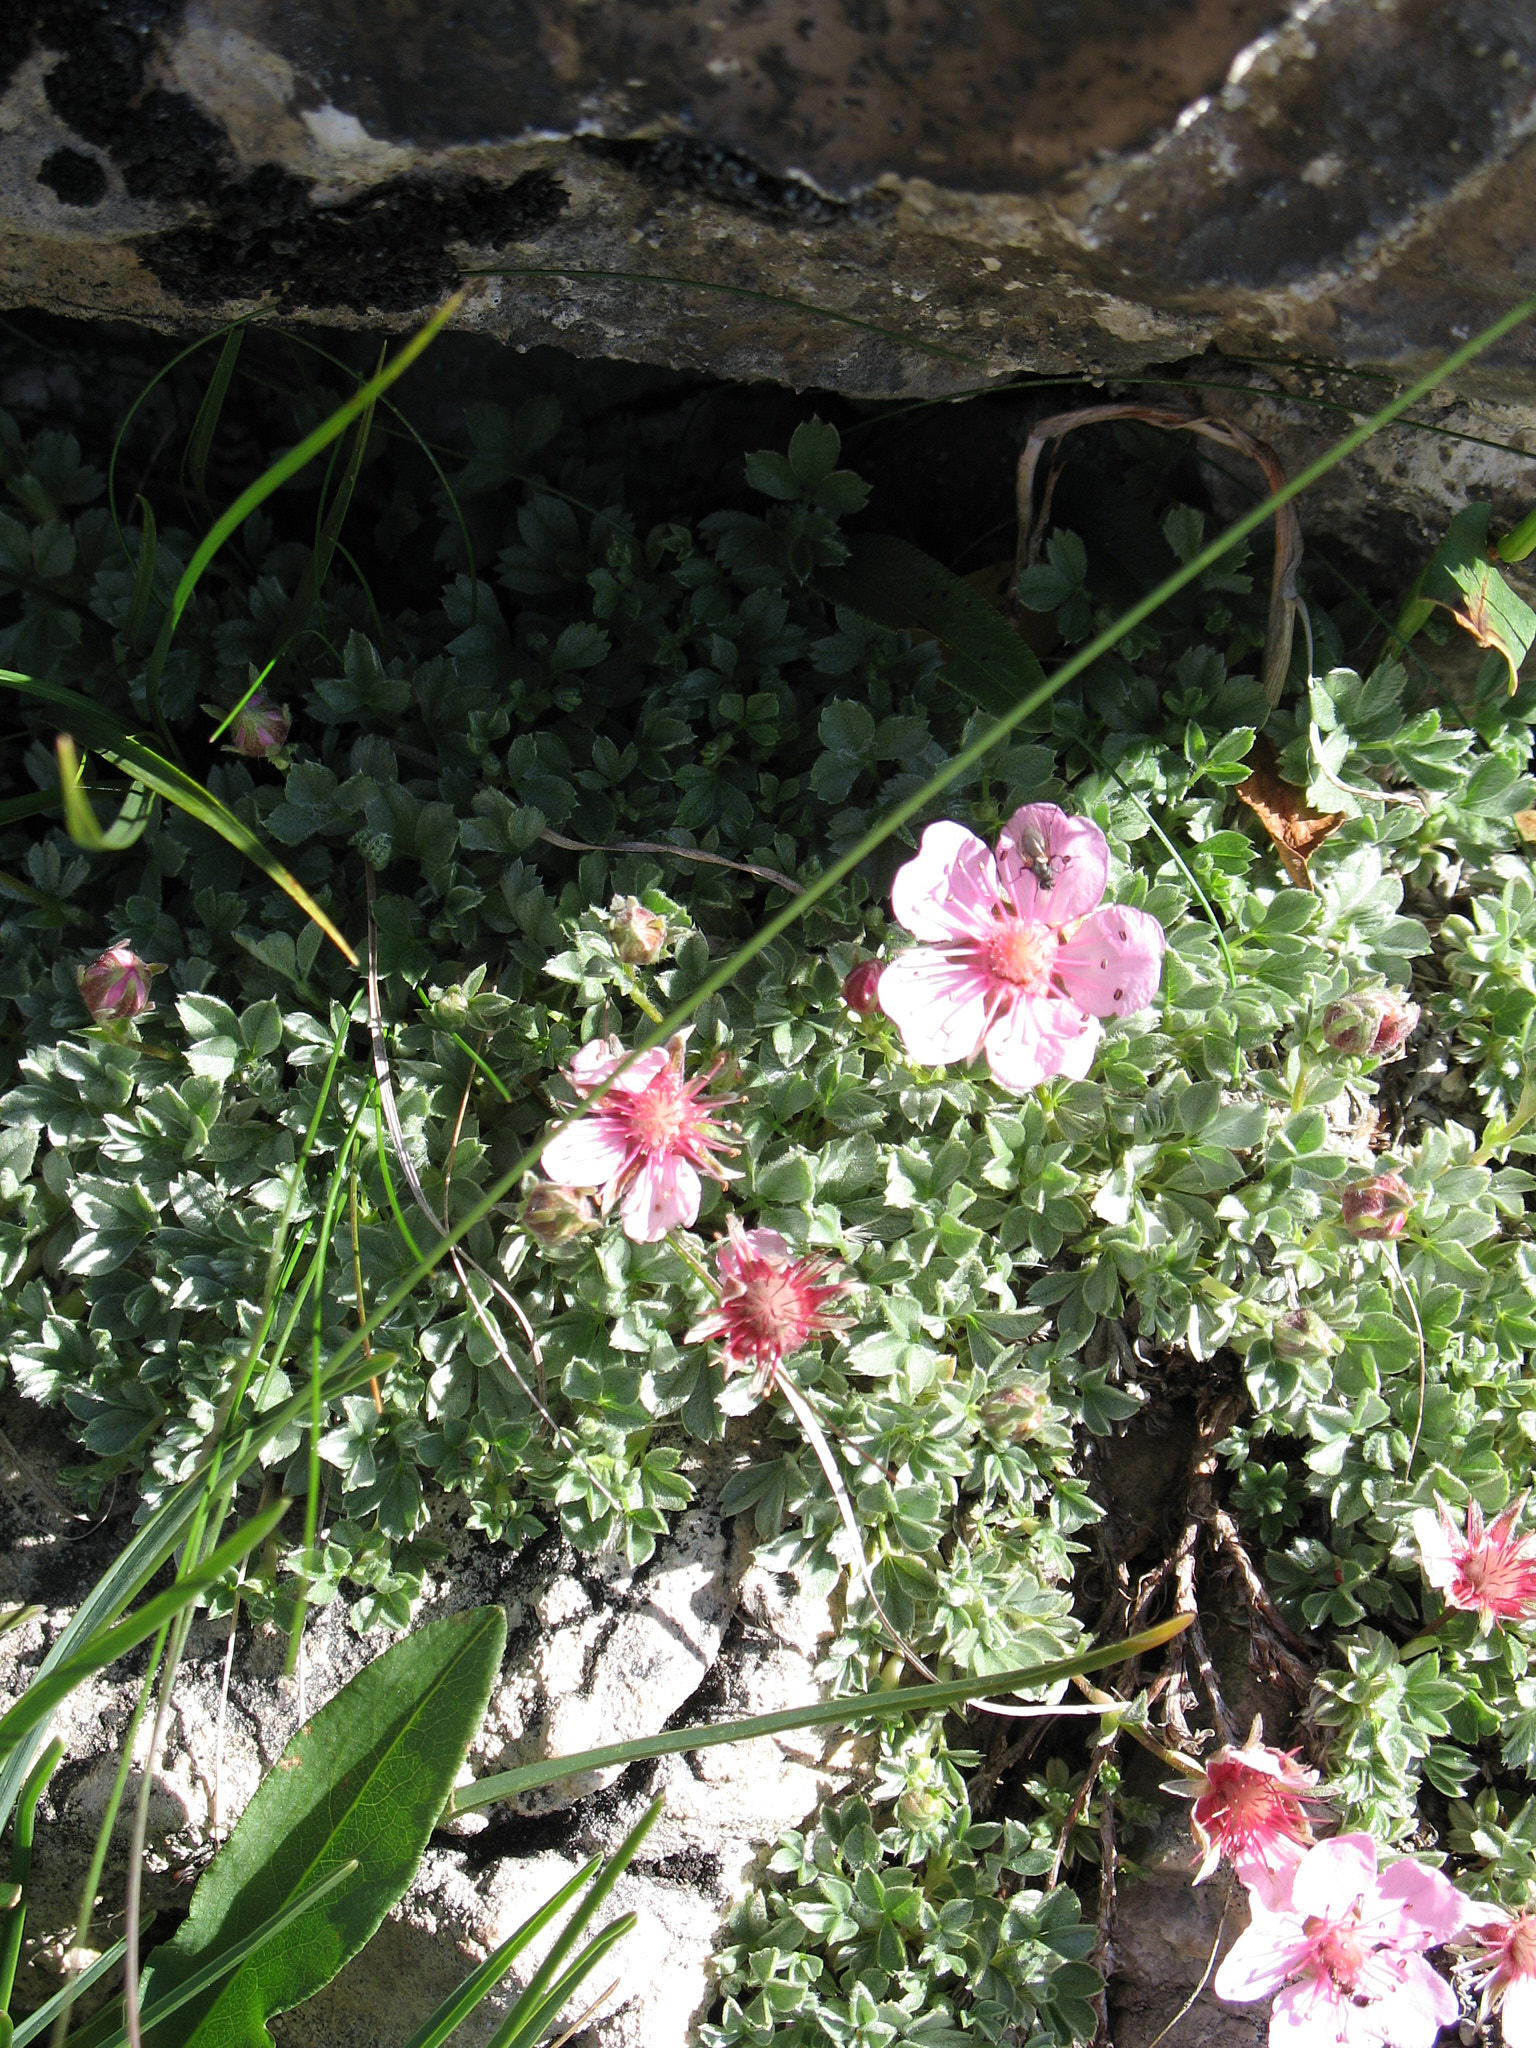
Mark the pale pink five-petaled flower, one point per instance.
(1252, 1812)
(1504, 1964)
(1489, 1572)
(1018, 957)
(771, 1303)
(645, 1144)
(1341, 1952)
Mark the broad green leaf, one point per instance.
(366, 1778)
(1461, 577)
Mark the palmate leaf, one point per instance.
(365, 1779)
(101, 730)
(1461, 577)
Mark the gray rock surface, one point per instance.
(879, 195)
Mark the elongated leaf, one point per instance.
(113, 740)
(39, 2022)
(80, 820)
(1515, 546)
(1462, 578)
(897, 585)
(478, 1986)
(206, 425)
(367, 1779)
(907, 1699)
(312, 581)
(143, 575)
(560, 1993)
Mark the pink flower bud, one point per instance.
(1301, 1338)
(1376, 1208)
(1016, 1411)
(116, 985)
(553, 1215)
(1372, 1023)
(260, 727)
(638, 934)
(861, 991)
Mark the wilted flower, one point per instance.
(116, 985)
(553, 1215)
(638, 934)
(646, 1143)
(1341, 1952)
(1376, 1208)
(861, 991)
(260, 727)
(1299, 1337)
(1504, 1970)
(1017, 956)
(1251, 1811)
(1015, 1410)
(1372, 1023)
(1489, 1572)
(771, 1303)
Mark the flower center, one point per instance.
(659, 1117)
(772, 1313)
(1520, 1947)
(1339, 1952)
(1022, 952)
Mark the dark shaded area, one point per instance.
(73, 177)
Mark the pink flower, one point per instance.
(1373, 1023)
(638, 934)
(1342, 1953)
(1506, 1971)
(260, 727)
(1376, 1208)
(1016, 957)
(116, 985)
(1251, 1812)
(646, 1143)
(553, 1215)
(1487, 1572)
(770, 1302)
(861, 991)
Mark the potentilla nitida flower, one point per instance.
(645, 1144)
(1483, 1570)
(553, 1215)
(1301, 1338)
(1018, 958)
(1376, 1208)
(1503, 1955)
(638, 934)
(260, 727)
(1341, 1951)
(861, 990)
(771, 1303)
(115, 986)
(1252, 1812)
(1371, 1024)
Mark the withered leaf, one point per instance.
(1282, 809)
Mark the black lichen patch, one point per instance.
(73, 177)
(681, 163)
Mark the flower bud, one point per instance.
(553, 1215)
(861, 991)
(1015, 1411)
(1372, 1023)
(260, 727)
(377, 848)
(116, 985)
(1376, 1208)
(638, 934)
(1301, 1338)
(917, 1809)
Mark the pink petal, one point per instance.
(1270, 1948)
(663, 1195)
(1413, 2014)
(1517, 2015)
(1435, 1542)
(1271, 1875)
(586, 1154)
(1053, 866)
(1332, 1876)
(939, 1006)
(1421, 1907)
(1037, 1037)
(1307, 2015)
(950, 891)
(1113, 962)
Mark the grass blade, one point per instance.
(40, 2021)
(477, 1987)
(143, 575)
(205, 426)
(560, 1993)
(312, 581)
(80, 820)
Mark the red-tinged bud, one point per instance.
(638, 934)
(553, 1215)
(1376, 1208)
(116, 985)
(1016, 1410)
(1372, 1023)
(861, 991)
(1301, 1338)
(260, 727)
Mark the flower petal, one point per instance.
(1412, 2015)
(939, 1006)
(587, 1153)
(1113, 962)
(1517, 2015)
(1054, 867)
(950, 891)
(1436, 1541)
(663, 1195)
(1308, 2015)
(1420, 1907)
(1270, 1948)
(1332, 1876)
(1037, 1037)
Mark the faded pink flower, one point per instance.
(260, 727)
(1341, 1953)
(646, 1143)
(1504, 1967)
(1489, 1572)
(553, 1215)
(116, 985)
(1376, 1208)
(771, 1303)
(638, 934)
(1017, 956)
(1252, 1813)
(1373, 1023)
(861, 991)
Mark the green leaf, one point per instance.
(1462, 578)
(366, 1778)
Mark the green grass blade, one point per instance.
(81, 822)
(101, 730)
(15, 1920)
(560, 1993)
(476, 1988)
(909, 1699)
(39, 2022)
(1514, 547)
(206, 425)
(144, 573)
(312, 581)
